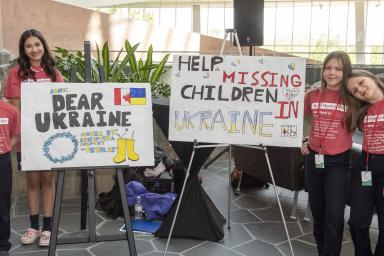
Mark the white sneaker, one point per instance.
(30, 236)
(45, 238)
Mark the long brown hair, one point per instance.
(47, 62)
(363, 104)
(352, 104)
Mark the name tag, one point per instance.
(366, 179)
(4, 120)
(319, 161)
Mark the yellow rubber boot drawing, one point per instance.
(121, 149)
(132, 155)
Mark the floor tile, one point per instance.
(258, 248)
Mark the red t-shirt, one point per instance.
(13, 87)
(9, 126)
(13, 90)
(373, 141)
(332, 135)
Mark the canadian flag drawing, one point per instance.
(130, 96)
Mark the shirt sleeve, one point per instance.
(15, 125)
(307, 104)
(12, 88)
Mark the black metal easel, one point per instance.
(88, 192)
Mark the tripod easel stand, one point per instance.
(233, 36)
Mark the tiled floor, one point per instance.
(256, 226)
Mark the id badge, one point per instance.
(319, 160)
(366, 179)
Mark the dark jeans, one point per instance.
(364, 200)
(327, 196)
(5, 201)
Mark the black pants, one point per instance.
(327, 196)
(5, 201)
(364, 200)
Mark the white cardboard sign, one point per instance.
(237, 100)
(68, 125)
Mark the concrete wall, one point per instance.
(68, 26)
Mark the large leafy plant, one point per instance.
(123, 68)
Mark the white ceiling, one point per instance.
(101, 3)
(107, 3)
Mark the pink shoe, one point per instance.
(30, 236)
(45, 238)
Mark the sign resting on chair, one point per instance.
(237, 100)
(67, 125)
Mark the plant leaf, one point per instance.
(132, 60)
(106, 59)
(159, 70)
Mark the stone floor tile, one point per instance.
(258, 248)
(251, 202)
(273, 214)
(272, 232)
(243, 216)
(210, 248)
(120, 248)
(81, 252)
(71, 222)
(176, 244)
(162, 253)
(235, 236)
(31, 253)
(299, 248)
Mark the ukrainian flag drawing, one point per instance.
(130, 96)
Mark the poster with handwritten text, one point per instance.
(254, 100)
(68, 125)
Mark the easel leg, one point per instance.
(56, 212)
(128, 227)
(294, 205)
(307, 216)
(91, 206)
(206, 165)
(229, 186)
(84, 200)
(278, 199)
(239, 183)
(180, 197)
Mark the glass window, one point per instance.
(269, 23)
(204, 19)
(184, 18)
(338, 21)
(228, 21)
(167, 17)
(302, 24)
(350, 33)
(216, 21)
(319, 30)
(284, 22)
(152, 15)
(136, 13)
(375, 33)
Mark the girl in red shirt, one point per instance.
(35, 64)
(333, 114)
(368, 170)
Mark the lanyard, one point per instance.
(330, 122)
(367, 145)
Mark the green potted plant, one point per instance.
(123, 68)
